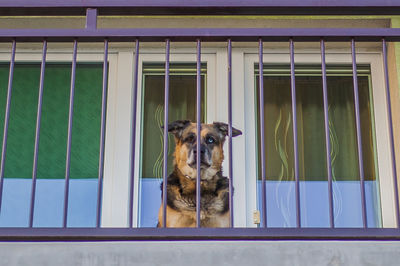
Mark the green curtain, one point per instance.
(310, 128)
(182, 105)
(54, 122)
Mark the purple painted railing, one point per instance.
(165, 162)
(198, 126)
(69, 138)
(230, 172)
(6, 119)
(38, 119)
(295, 144)
(102, 133)
(262, 134)
(327, 137)
(198, 35)
(133, 139)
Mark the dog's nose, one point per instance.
(202, 150)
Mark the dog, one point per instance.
(181, 183)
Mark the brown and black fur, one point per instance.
(181, 184)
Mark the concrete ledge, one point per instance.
(192, 253)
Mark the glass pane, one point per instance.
(312, 149)
(52, 146)
(182, 105)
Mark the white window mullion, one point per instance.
(250, 134)
(117, 148)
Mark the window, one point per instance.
(312, 164)
(311, 146)
(182, 105)
(117, 177)
(52, 146)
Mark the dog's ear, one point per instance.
(177, 127)
(224, 129)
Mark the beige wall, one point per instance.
(193, 22)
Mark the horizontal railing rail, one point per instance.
(204, 34)
(106, 234)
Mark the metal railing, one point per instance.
(92, 34)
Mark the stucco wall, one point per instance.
(199, 21)
(274, 253)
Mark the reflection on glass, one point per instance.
(182, 105)
(312, 150)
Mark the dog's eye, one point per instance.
(210, 140)
(189, 138)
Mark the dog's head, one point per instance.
(212, 138)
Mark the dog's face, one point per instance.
(212, 138)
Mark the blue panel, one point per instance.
(82, 203)
(281, 203)
(374, 216)
(49, 203)
(150, 200)
(16, 202)
(347, 204)
(314, 204)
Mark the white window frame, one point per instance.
(116, 190)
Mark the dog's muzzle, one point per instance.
(205, 157)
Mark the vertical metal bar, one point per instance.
(358, 129)
(37, 136)
(70, 117)
(166, 101)
(91, 18)
(7, 118)
(198, 112)
(230, 131)
(262, 131)
(133, 134)
(102, 134)
(327, 136)
(295, 144)
(389, 111)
